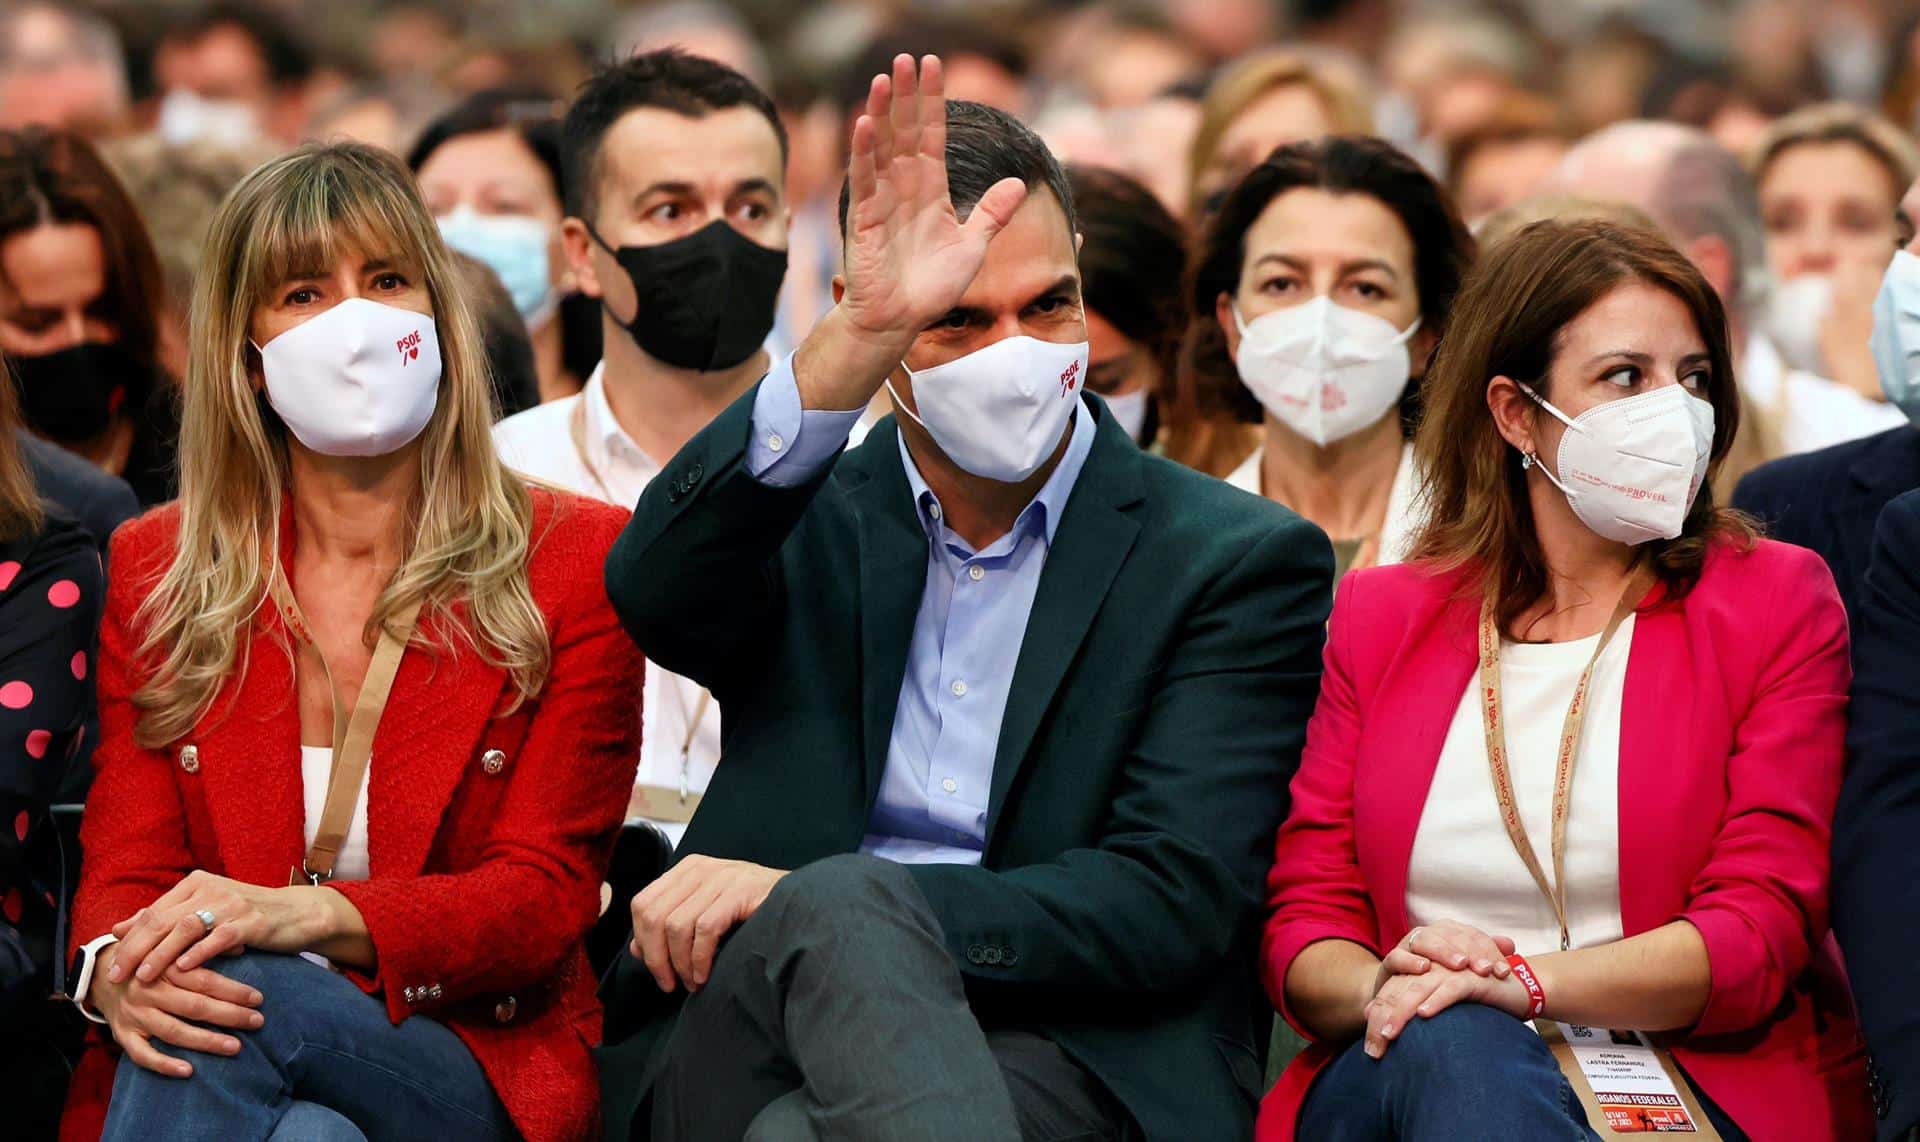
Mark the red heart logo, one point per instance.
(413, 354)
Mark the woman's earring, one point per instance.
(1528, 460)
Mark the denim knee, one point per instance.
(1463, 1036)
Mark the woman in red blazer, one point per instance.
(307, 913)
(1455, 824)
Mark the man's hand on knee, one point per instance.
(679, 921)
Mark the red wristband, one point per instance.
(1523, 971)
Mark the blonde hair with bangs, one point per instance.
(470, 525)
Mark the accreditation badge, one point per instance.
(1628, 1085)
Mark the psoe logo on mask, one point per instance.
(409, 347)
(1067, 377)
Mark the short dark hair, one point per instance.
(529, 112)
(287, 57)
(985, 145)
(670, 79)
(1343, 164)
(1133, 250)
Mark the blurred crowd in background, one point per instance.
(1183, 95)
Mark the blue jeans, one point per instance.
(326, 1066)
(1468, 1072)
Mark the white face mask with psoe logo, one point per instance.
(361, 379)
(1325, 371)
(1630, 468)
(999, 412)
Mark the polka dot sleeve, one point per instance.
(50, 593)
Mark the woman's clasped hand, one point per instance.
(1436, 966)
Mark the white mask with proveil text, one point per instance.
(1324, 370)
(361, 379)
(1630, 468)
(999, 412)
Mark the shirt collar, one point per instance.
(1048, 504)
(605, 438)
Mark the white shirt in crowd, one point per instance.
(1396, 531)
(680, 726)
(1464, 868)
(1811, 412)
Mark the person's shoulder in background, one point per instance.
(1782, 491)
(99, 501)
(539, 441)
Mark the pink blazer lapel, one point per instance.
(1411, 717)
(1659, 730)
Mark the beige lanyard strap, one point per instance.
(352, 733)
(1492, 718)
(577, 428)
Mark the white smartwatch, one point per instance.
(82, 973)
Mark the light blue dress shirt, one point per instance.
(932, 807)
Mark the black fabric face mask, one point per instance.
(706, 301)
(72, 394)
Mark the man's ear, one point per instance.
(1711, 255)
(1079, 242)
(1223, 313)
(839, 287)
(577, 245)
(1513, 412)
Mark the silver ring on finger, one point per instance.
(206, 918)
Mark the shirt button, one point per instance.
(774, 443)
(959, 688)
(976, 572)
(950, 785)
(934, 511)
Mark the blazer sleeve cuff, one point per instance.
(399, 975)
(1284, 942)
(1742, 986)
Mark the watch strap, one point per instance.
(83, 977)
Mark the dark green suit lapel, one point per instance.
(893, 576)
(1092, 542)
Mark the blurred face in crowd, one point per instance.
(1028, 286)
(1828, 208)
(1500, 174)
(1117, 365)
(53, 282)
(662, 176)
(1634, 340)
(1290, 113)
(1311, 243)
(1132, 65)
(981, 80)
(53, 73)
(494, 174)
(218, 86)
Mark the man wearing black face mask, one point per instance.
(675, 168)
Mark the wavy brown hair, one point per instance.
(1508, 322)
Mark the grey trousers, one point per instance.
(837, 1012)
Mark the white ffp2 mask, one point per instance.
(1324, 370)
(999, 412)
(361, 379)
(1630, 468)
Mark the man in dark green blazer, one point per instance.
(1009, 708)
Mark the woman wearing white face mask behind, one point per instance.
(364, 723)
(1575, 762)
(1320, 288)
(1829, 179)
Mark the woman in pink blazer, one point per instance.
(1578, 759)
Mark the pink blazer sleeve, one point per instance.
(1760, 901)
(1315, 890)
